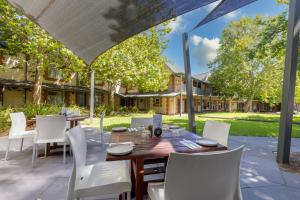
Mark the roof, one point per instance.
(29, 84)
(202, 77)
(174, 68)
(89, 28)
(171, 94)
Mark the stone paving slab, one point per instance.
(260, 175)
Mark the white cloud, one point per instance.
(232, 15)
(196, 39)
(176, 24)
(205, 50)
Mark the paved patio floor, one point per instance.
(260, 175)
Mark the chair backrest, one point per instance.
(137, 122)
(50, 127)
(79, 147)
(18, 123)
(218, 131)
(203, 176)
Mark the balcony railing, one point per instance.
(199, 91)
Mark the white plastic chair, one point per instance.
(138, 122)
(200, 176)
(218, 131)
(104, 179)
(18, 130)
(50, 129)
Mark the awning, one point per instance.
(90, 27)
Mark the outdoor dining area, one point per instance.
(171, 156)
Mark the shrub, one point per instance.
(32, 110)
(134, 109)
(82, 110)
(108, 109)
(152, 112)
(123, 109)
(4, 118)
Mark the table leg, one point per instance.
(139, 178)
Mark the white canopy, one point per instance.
(90, 27)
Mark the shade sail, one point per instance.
(224, 7)
(90, 27)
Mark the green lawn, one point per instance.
(238, 127)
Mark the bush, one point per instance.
(4, 118)
(134, 109)
(152, 112)
(32, 110)
(82, 110)
(108, 109)
(123, 109)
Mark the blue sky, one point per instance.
(205, 40)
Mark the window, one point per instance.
(80, 99)
(97, 100)
(156, 102)
(53, 72)
(55, 98)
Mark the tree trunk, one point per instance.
(247, 105)
(111, 98)
(37, 87)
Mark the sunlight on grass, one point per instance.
(238, 127)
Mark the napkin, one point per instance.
(190, 144)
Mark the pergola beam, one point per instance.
(289, 81)
(189, 83)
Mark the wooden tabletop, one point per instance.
(157, 147)
(68, 118)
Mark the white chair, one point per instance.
(138, 122)
(218, 131)
(18, 130)
(104, 179)
(50, 129)
(200, 176)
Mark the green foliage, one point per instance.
(32, 110)
(136, 62)
(123, 109)
(4, 118)
(250, 60)
(134, 109)
(104, 108)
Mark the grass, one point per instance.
(238, 127)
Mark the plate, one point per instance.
(207, 142)
(119, 129)
(174, 127)
(119, 149)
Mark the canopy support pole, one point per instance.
(188, 80)
(92, 96)
(289, 81)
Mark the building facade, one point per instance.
(16, 83)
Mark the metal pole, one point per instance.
(92, 96)
(188, 80)
(289, 81)
(180, 100)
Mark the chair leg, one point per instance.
(128, 195)
(64, 157)
(102, 139)
(22, 140)
(33, 154)
(45, 154)
(7, 150)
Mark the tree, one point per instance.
(250, 60)
(23, 37)
(136, 62)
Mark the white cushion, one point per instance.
(156, 191)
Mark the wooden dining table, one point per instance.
(153, 148)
